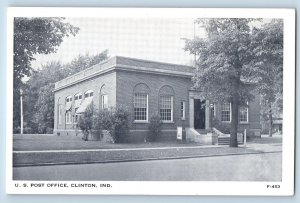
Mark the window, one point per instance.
(59, 113)
(68, 106)
(104, 101)
(88, 93)
(88, 99)
(78, 97)
(77, 101)
(213, 111)
(68, 117)
(182, 110)
(140, 107)
(166, 108)
(76, 116)
(226, 112)
(68, 99)
(244, 114)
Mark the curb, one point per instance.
(144, 159)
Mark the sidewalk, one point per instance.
(84, 156)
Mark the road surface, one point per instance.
(251, 167)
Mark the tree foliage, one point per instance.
(44, 117)
(34, 36)
(86, 122)
(267, 65)
(39, 97)
(223, 64)
(37, 36)
(235, 55)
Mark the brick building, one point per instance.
(146, 88)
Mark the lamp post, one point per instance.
(21, 106)
(211, 107)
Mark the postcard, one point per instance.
(150, 101)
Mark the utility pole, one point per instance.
(194, 39)
(21, 101)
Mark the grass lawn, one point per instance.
(31, 142)
(50, 142)
(267, 140)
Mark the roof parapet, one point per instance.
(127, 63)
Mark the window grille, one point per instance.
(243, 114)
(226, 112)
(140, 107)
(182, 110)
(166, 108)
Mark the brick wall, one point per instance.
(253, 118)
(95, 84)
(120, 86)
(126, 81)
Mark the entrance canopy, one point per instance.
(68, 106)
(86, 102)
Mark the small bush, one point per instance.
(115, 121)
(103, 120)
(154, 128)
(223, 127)
(86, 122)
(120, 128)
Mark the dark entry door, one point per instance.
(199, 114)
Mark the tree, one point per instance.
(86, 122)
(34, 36)
(267, 46)
(82, 62)
(37, 35)
(39, 98)
(44, 117)
(223, 64)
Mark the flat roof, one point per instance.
(128, 64)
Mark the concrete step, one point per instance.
(202, 131)
(226, 141)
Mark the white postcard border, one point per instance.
(167, 187)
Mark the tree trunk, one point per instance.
(234, 121)
(270, 121)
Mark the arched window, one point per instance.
(77, 103)
(88, 99)
(59, 111)
(68, 115)
(103, 97)
(89, 93)
(140, 102)
(68, 103)
(78, 97)
(69, 99)
(166, 97)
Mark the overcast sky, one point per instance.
(158, 39)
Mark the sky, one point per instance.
(158, 39)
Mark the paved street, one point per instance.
(250, 167)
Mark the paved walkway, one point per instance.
(250, 167)
(124, 149)
(53, 157)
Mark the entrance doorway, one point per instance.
(199, 114)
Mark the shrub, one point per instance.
(114, 120)
(120, 127)
(223, 127)
(103, 121)
(154, 128)
(86, 121)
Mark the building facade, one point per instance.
(146, 88)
